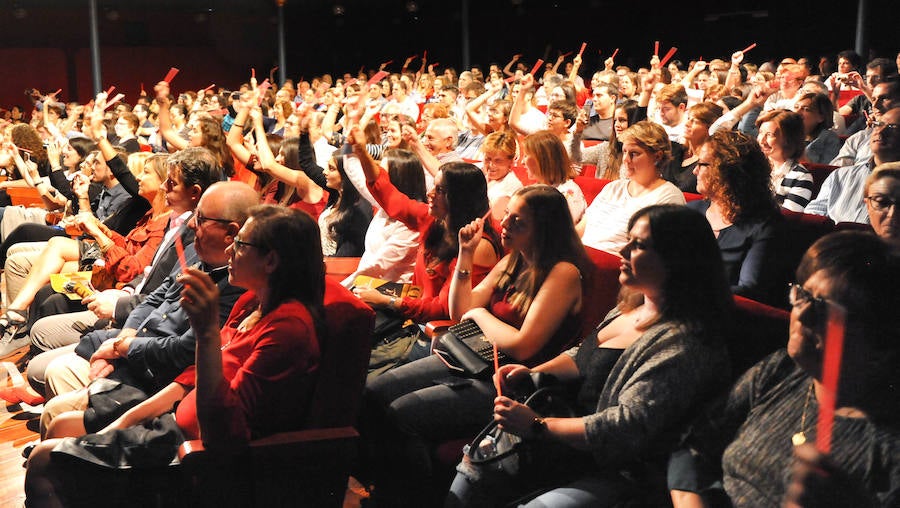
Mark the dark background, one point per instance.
(45, 43)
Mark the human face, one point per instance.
(702, 81)
(149, 184)
(627, 87)
(642, 268)
(178, 195)
(557, 94)
(788, 83)
(556, 123)
(496, 118)
(332, 176)
(640, 163)
(195, 134)
(881, 100)
(497, 165)
(702, 169)
(393, 134)
(806, 339)
(435, 141)
(596, 80)
(620, 121)
(885, 141)
(811, 116)
(695, 130)
(123, 128)
(603, 102)
(246, 260)
(881, 203)
(517, 226)
(437, 198)
(670, 113)
(844, 66)
(464, 80)
(532, 166)
(71, 159)
(102, 173)
(212, 232)
(769, 140)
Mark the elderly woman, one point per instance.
(773, 407)
(252, 378)
(640, 374)
(646, 150)
(733, 177)
(882, 192)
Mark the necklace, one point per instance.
(800, 437)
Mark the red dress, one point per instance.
(268, 373)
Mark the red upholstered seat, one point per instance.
(758, 330)
(590, 186)
(819, 173)
(308, 467)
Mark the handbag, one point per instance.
(495, 454)
(465, 350)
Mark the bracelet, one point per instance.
(463, 274)
(235, 124)
(393, 303)
(116, 345)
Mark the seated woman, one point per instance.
(640, 374)
(781, 140)
(680, 171)
(606, 155)
(882, 192)
(390, 246)
(343, 224)
(747, 443)
(253, 378)
(63, 254)
(646, 150)
(545, 157)
(529, 305)
(822, 143)
(499, 154)
(459, 197)
(733, 177)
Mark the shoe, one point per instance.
(12, 320)
(12, 344)
(21, 393)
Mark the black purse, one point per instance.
(465, 351)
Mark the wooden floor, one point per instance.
(18, 427)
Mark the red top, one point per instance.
(267, 373)
(430, 273)
(129, 255)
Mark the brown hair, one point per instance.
(790, 126)
(554, 165)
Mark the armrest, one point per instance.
(438, 326)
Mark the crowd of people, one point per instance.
(204, 220)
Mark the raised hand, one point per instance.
(470, 235)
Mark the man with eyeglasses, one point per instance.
(841, 196)
(861, 105)
(156, 343)
(885, 96)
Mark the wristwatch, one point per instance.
(116, 345)
(393, 303)
(538, 427)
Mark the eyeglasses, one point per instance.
(873, 78)
(881, 202)
(240, 244)
(886, 126)
(798, 296)
(199, 218)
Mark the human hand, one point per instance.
(162, 90)
(608, 64)
(357, 139)
(511, 377)
(513, 417)
(527, 83)
(816, 481)
(80, 184)
(854, 79)
(103, 303)
(372, 297)
(516, 58)
(409, 134)
(737, 58)
(200, 299)
(699, 65)
(577, 60)
(654, 62)
(100, 367)
(53, 151)
(649, 81)
(582, 121)
(470, 236)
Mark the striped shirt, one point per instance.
(841, 196)
(793, 185)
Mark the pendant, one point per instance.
(798, 439)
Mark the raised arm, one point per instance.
(519, 105)
(473, 109)
(166, 130)
(306, 188)
(507, 69)
(429, 161)
(235, 136)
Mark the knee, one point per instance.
(68, 424)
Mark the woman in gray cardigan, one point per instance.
(650, 364)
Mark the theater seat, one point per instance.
(758, 330)
(819, 173)
(303, 468)
(590, 186)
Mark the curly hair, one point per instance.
(26, 137)
(213, 139)
(738, 176)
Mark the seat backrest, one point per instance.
(590, 186)
(24, 196)
(819, 173)
(345, 358)
(600, 296)
(801, 231)
(758, 330)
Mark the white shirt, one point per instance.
(575, 198)
(606, 220)
(506, 187)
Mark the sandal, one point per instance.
(12, 320)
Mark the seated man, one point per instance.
(156, 342)
(841, 196)
(855, 149)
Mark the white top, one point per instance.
(575, 197)
(532, 121)
(606, 220)
(390, 251)
(408, 107)
(323, 151)
(329, 244)
(506, 187)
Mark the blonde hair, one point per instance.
(136, 162)
(652, 137)
(554, 165)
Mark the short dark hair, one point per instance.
(198, 166)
